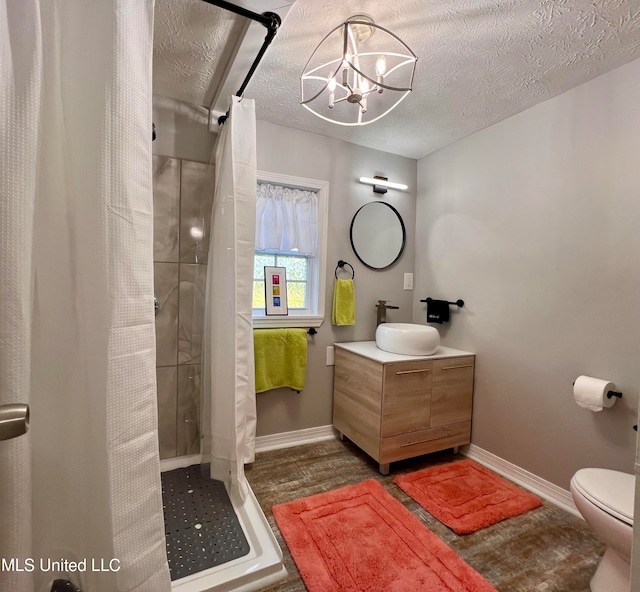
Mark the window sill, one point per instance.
(287, 321)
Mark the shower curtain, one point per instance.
(76, 290)
(229, 400)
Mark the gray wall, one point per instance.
(535, 223)
(182, 130)
(293, 152)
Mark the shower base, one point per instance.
(201, 527)
(241, 556)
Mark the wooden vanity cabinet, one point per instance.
(399, 409)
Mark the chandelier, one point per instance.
(358, 73)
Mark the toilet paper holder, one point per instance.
(610, 394)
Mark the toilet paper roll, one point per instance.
(591, 393)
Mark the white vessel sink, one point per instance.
(407, 338)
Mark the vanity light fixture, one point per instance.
(358, 73)
(380, 184)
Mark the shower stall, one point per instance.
(216, 539)
(204, 223)
(204, 236)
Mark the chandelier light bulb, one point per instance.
(356, 66)
(381, 68)
(364, 90)
(346, 64)
(331, 85)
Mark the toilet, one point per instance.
(605, 499)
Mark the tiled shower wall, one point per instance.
(182, 197)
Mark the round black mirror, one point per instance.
(377, 235)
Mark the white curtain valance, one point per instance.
(286, 219)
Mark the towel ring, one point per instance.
(341, 264)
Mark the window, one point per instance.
(297, 267)
(291, 228)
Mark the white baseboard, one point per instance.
(537, 485)
(296, 438)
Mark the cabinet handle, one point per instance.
(413, 371)
(456, 367)
(427, 440)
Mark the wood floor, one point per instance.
(545, 550)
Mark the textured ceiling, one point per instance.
(202, 53)
(193, 42)
(478, 62)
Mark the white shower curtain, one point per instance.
(229, 394)
(76, 290)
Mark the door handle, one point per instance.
(14, 420)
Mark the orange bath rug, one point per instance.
(465, 496)
(360, 538)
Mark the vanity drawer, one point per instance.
(420, 442)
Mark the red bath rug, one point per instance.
(360, 538)
(465, 496)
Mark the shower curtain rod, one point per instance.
(270, 20)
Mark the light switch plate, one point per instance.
(408, 281)
(330, 356)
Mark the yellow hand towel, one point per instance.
(280, 358)
(344, 303)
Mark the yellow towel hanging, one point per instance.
(344, 303)
(280, 358)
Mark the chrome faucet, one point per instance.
(382, 307)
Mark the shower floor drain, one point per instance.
(201, 527)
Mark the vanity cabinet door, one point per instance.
(452, 391)
(405, 399)
(357, 399)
